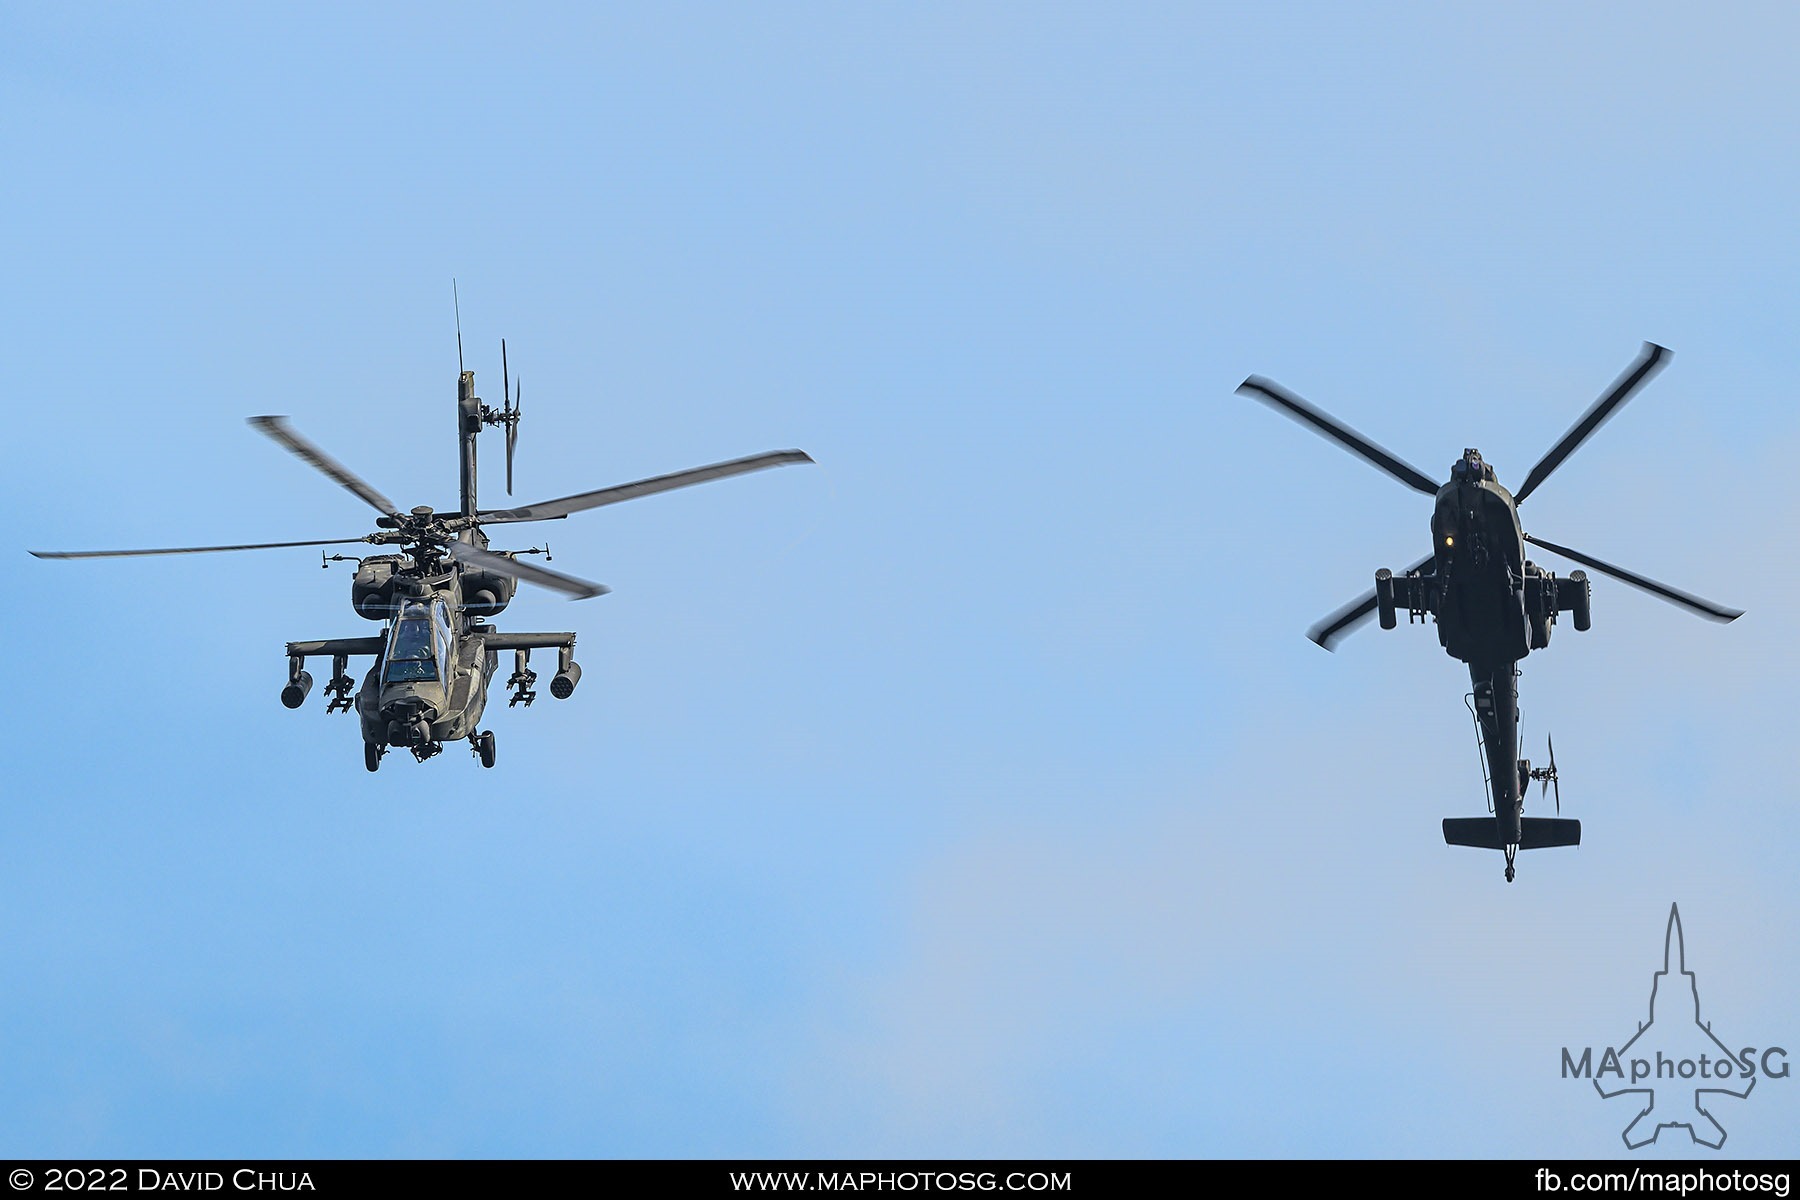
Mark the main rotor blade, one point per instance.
(1342, 623)
(579, 589)
(1687, 600)
(278, 429)
(187, 549)
(1273, 394)
(1651, 359)
(551, 509)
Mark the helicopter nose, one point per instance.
(408, 722)
(413, 732)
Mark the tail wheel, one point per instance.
(372, 756)
(484, 746)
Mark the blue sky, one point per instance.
(975, 791)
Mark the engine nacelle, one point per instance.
(486, 593)
(1543, 600)
(372, 591)
(1580, 600)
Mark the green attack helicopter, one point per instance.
(1491, 604)
(438, 652)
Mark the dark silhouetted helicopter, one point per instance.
(1493, 606)
(437, 653)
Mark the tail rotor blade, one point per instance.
(1553, 776)
(509, 415)
(512, 433)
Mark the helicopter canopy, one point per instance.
(420, 641)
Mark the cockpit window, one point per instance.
(446, 646)
(412, 656)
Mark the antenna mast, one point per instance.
(457, 301)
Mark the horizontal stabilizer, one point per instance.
(1536, 833)
(1478, 832)
(1542, 833)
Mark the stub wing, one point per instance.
(350, 646)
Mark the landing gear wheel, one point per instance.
(1509, 874)
(484, 746)
(372, 756)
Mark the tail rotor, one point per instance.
(1546, 777)
(509, 414)
(512, 432)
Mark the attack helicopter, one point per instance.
(438, 651)
(1492, 604)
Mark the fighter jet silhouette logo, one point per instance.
(1679, 1039)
